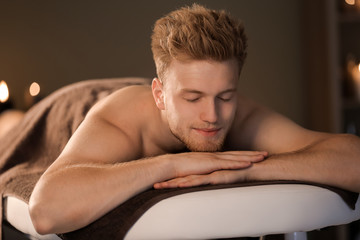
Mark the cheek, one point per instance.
(228, 111)
(187, 113)
(177, 110)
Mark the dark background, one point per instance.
(56, 43)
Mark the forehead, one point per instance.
(202, 74)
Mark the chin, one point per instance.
(205, 147)
(196, 143)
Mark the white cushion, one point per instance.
(224, 213)
(244, 211)
(16, 212)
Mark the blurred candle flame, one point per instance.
(350, 2)
(4, 92)
(34, 89)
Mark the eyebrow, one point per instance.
(187, 90)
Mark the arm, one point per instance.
(98, 170)
(84, 182)
(295, 154)
(300, 154)
(332, 161)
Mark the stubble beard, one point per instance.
(211, 145)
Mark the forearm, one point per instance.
(334, 161)
(67, 198)
(74, 196)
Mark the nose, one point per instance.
(209, 112)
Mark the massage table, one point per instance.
(199, 213)
(246, 211)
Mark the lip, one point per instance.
(207, 132)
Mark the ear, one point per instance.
(158, 93)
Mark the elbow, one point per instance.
(46, 212)
(50, 216)
(41, 218)
(351, 161)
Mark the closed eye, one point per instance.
(192, 99)
(225, 99)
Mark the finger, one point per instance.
(231, 164)
(195, 180)
(188, 181)
(217, 177)
(255, 158)
(173, 183)
(165, 184)
(182, 182)
(240, 156)
(160, 185)
(245, 153)
(226, 177)
(243, 158)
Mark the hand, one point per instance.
(193, 169)
(214, 178)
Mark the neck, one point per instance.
(169, 142)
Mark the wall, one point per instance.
(59, 42)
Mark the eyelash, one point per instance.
(225, 99)
(192, 100)
(196, 99)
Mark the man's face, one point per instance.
(200, 102)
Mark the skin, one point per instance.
(140, 137)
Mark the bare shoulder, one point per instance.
(127, 96)
(129, 103)
(111, 131)
(257, 127)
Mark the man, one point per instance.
(190, 128)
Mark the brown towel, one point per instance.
(36, 142)
(39, 138)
